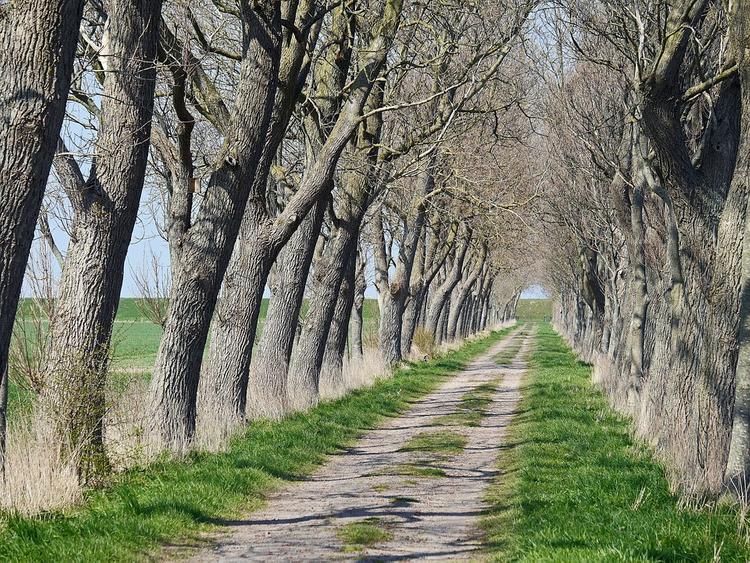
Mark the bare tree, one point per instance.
(205, 242)
(105, 206)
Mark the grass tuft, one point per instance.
(403, 501)
(420, 468)
(472, 408)
(442, 441)
(367, 532)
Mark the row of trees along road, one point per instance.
(649, 132)
(305, 146)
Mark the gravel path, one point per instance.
(424, 517)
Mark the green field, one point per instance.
(135, 339)
(534, 310)
(135, 342)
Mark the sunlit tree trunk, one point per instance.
(207, 246)
(106, 207)
(37, 67)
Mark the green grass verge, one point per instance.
(358, 535)
(576, 487)
(173, 500)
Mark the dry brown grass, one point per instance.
(423, 343)
(38, 477)
(364, 371)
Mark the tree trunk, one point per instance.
(325, 284)
(395, 291)
(411, 318)
(738, 465)
(441, 294)
(233, 330)
(357, 321)
(461, 292)
(711, 210)
(442, 329)
(315, 184)
(3, 422)
(639, 290)
(37, 67)
(208, 244)
(105, 207)
(226, 373)
(332, 384)
(268, 371)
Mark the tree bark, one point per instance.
(207, 246)
(357, 321)
(738, 465)
(316, 183)
(33, 92)
(394, 290)
(325, 285)
(226, 373)
(332, 384)
(441, 294)
(268, 371)
(461, 292)
(105, 206)
(422, 278)
(711, 210)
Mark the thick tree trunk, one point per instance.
(3, 422)
(639, 288)
(105, 207)
(225, 376)
(395, 291)
(442, 329)
(391, 326)
(268, 371)
(38, 40)
(711, 210)
(416, 288)
(486, 314)
(233, 329)
(208, 244)
(738, 465)
(325, 284)
(427, 267)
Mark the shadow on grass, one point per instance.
(574, 486)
